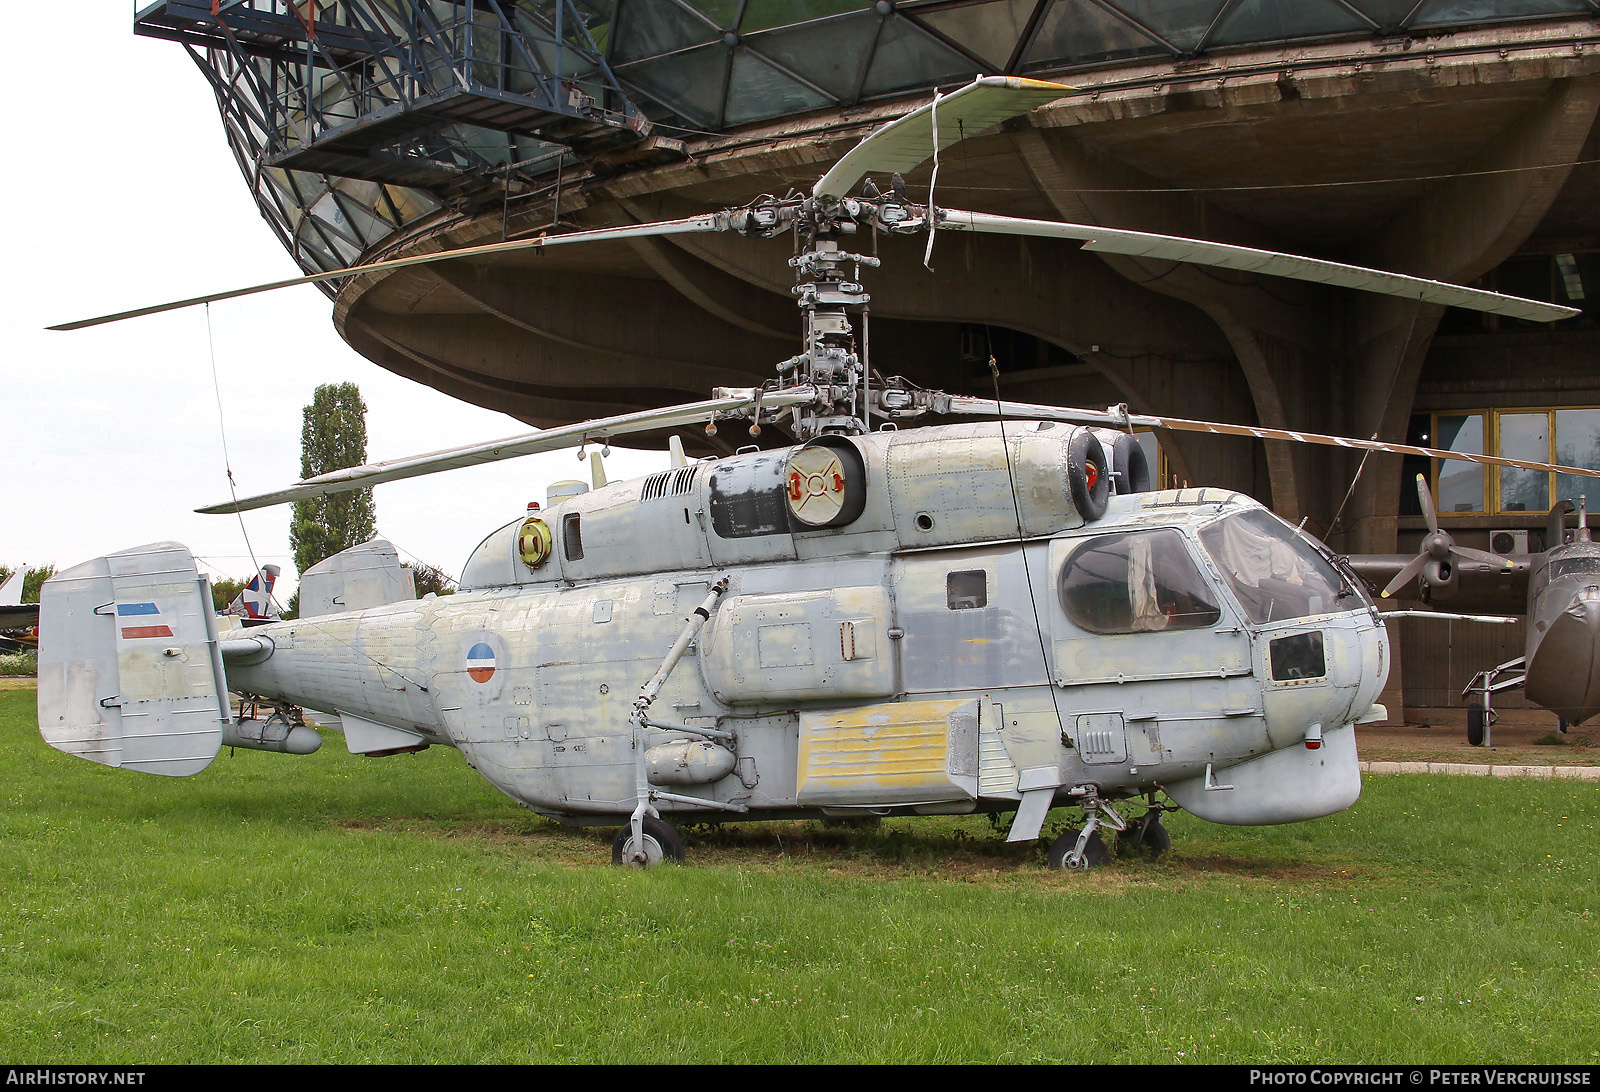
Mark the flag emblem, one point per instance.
(146, 612)
(480, 662)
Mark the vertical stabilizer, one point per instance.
(130, 673)
(368, 575)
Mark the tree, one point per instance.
(333, 437)
(430, 579)
(30, 583)
(224, 592)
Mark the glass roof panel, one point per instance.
(724, 13)
(1265, 20)
(691, 84)
(764, 14)
(647, 28)
(831, 54)
(908, 56)
(1440, 12)
(1388, 14)
(1181, 22)
(758, 90)
(1074, 33)
(989, 30)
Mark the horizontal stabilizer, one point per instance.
(130, 673)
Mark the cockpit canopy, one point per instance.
(1275, 574)
(1148, 580)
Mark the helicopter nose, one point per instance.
(1564, 670)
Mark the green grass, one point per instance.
(334, 909)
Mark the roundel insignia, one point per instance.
(480, 662)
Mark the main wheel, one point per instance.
(1144, 838)
(660, 843)
(1476, 719)
(1095, 853)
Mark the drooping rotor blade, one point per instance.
(1226, 256)
(710, 221)
(1115, 417)
(906, 141)
(728, 402)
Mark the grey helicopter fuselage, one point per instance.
(926, 621)
(1563, 641)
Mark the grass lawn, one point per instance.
(336, 909)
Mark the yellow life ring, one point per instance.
(534, 542)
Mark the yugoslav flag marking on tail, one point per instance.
(480, 662)
(144, 611)
(255, 601)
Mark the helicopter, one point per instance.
(1557, 589)
(992, 615)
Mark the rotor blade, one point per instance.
(1116, 418)
(710, 221)
(908, 140)
(988, 407)
(1425, 498)
(1183, 424)
(1226, 256)
(730, 401)
(1405, 575)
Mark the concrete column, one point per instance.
(1456, 231)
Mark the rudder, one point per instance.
(130, 671)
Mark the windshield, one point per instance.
(1275, 573)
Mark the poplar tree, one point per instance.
(334, 436)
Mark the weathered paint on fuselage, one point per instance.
(857, 670)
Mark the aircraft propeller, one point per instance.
(1437, 558)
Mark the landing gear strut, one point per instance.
(1487, 683)
(1085, 848)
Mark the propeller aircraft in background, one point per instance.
(1557, 589)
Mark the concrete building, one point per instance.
(1452, 139)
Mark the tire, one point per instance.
(1144, 839)
(1095, 853)
(1475, 724)
(661, 843)
(1131, 467)
(1087, 479)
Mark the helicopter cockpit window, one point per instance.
(1275, 573)
(1138, 582)
(966, 590)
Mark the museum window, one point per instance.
(1569, 436)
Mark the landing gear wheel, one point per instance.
(1095, 852)
(660, 843)
(1475, 724)
(1144, 837)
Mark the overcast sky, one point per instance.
(119, 190)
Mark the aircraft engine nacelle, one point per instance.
(834, 496)
(1440, 578)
